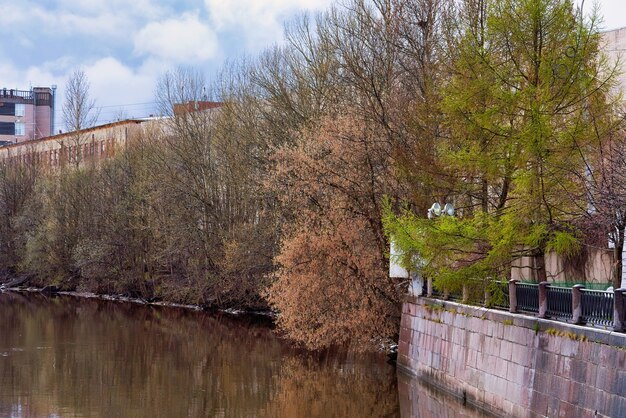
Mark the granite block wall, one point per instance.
(512, 364)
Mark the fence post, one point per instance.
(429, 287)
(465, 296)
(543, 299)
(513, 295)
(618, 310)
(577, 307)
(487, 300)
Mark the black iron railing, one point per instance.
(455, 295)
(40, 98)
(528, 297)
(576, 304)
(597, 307)
(16, 94)
(559, 302)
(437, 293)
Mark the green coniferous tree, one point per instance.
(524, 104)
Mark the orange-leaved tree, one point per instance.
(331, 285)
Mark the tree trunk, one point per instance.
(540, 266)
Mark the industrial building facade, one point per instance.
(26, 114)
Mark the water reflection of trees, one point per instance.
(101, 359)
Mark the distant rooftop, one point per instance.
(36, 95)
(195, 105)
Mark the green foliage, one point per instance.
(498, 293)
(564, 243)
(448, 248)
(525, 100)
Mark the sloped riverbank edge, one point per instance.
(121, 298)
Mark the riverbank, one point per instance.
(50, 290)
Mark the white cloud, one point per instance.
(12, 13)
(23, 79)
(261, 22)
(31, 18)
(179, 40)
(125, 46)
(60, 65)
(146, 9)
(104, 25)
(117, 86)
(227, 13)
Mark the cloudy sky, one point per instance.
(123, 46)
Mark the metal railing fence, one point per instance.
(528, 297)
(597, 307)
(571, 304)
(559, 302)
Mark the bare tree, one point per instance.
(79, 111)
(605, 181)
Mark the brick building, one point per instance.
(80, 147)
(87, 145)
(26, 114)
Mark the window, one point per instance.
(20, 109)
(20, 129)
(7, 109)
(7, 128)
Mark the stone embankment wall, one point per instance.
(514, 365)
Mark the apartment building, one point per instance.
(26, 114)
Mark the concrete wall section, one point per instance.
(597, 268)
(614, 45)
(41, 127)
(514, 365)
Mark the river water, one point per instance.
(71, 357)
